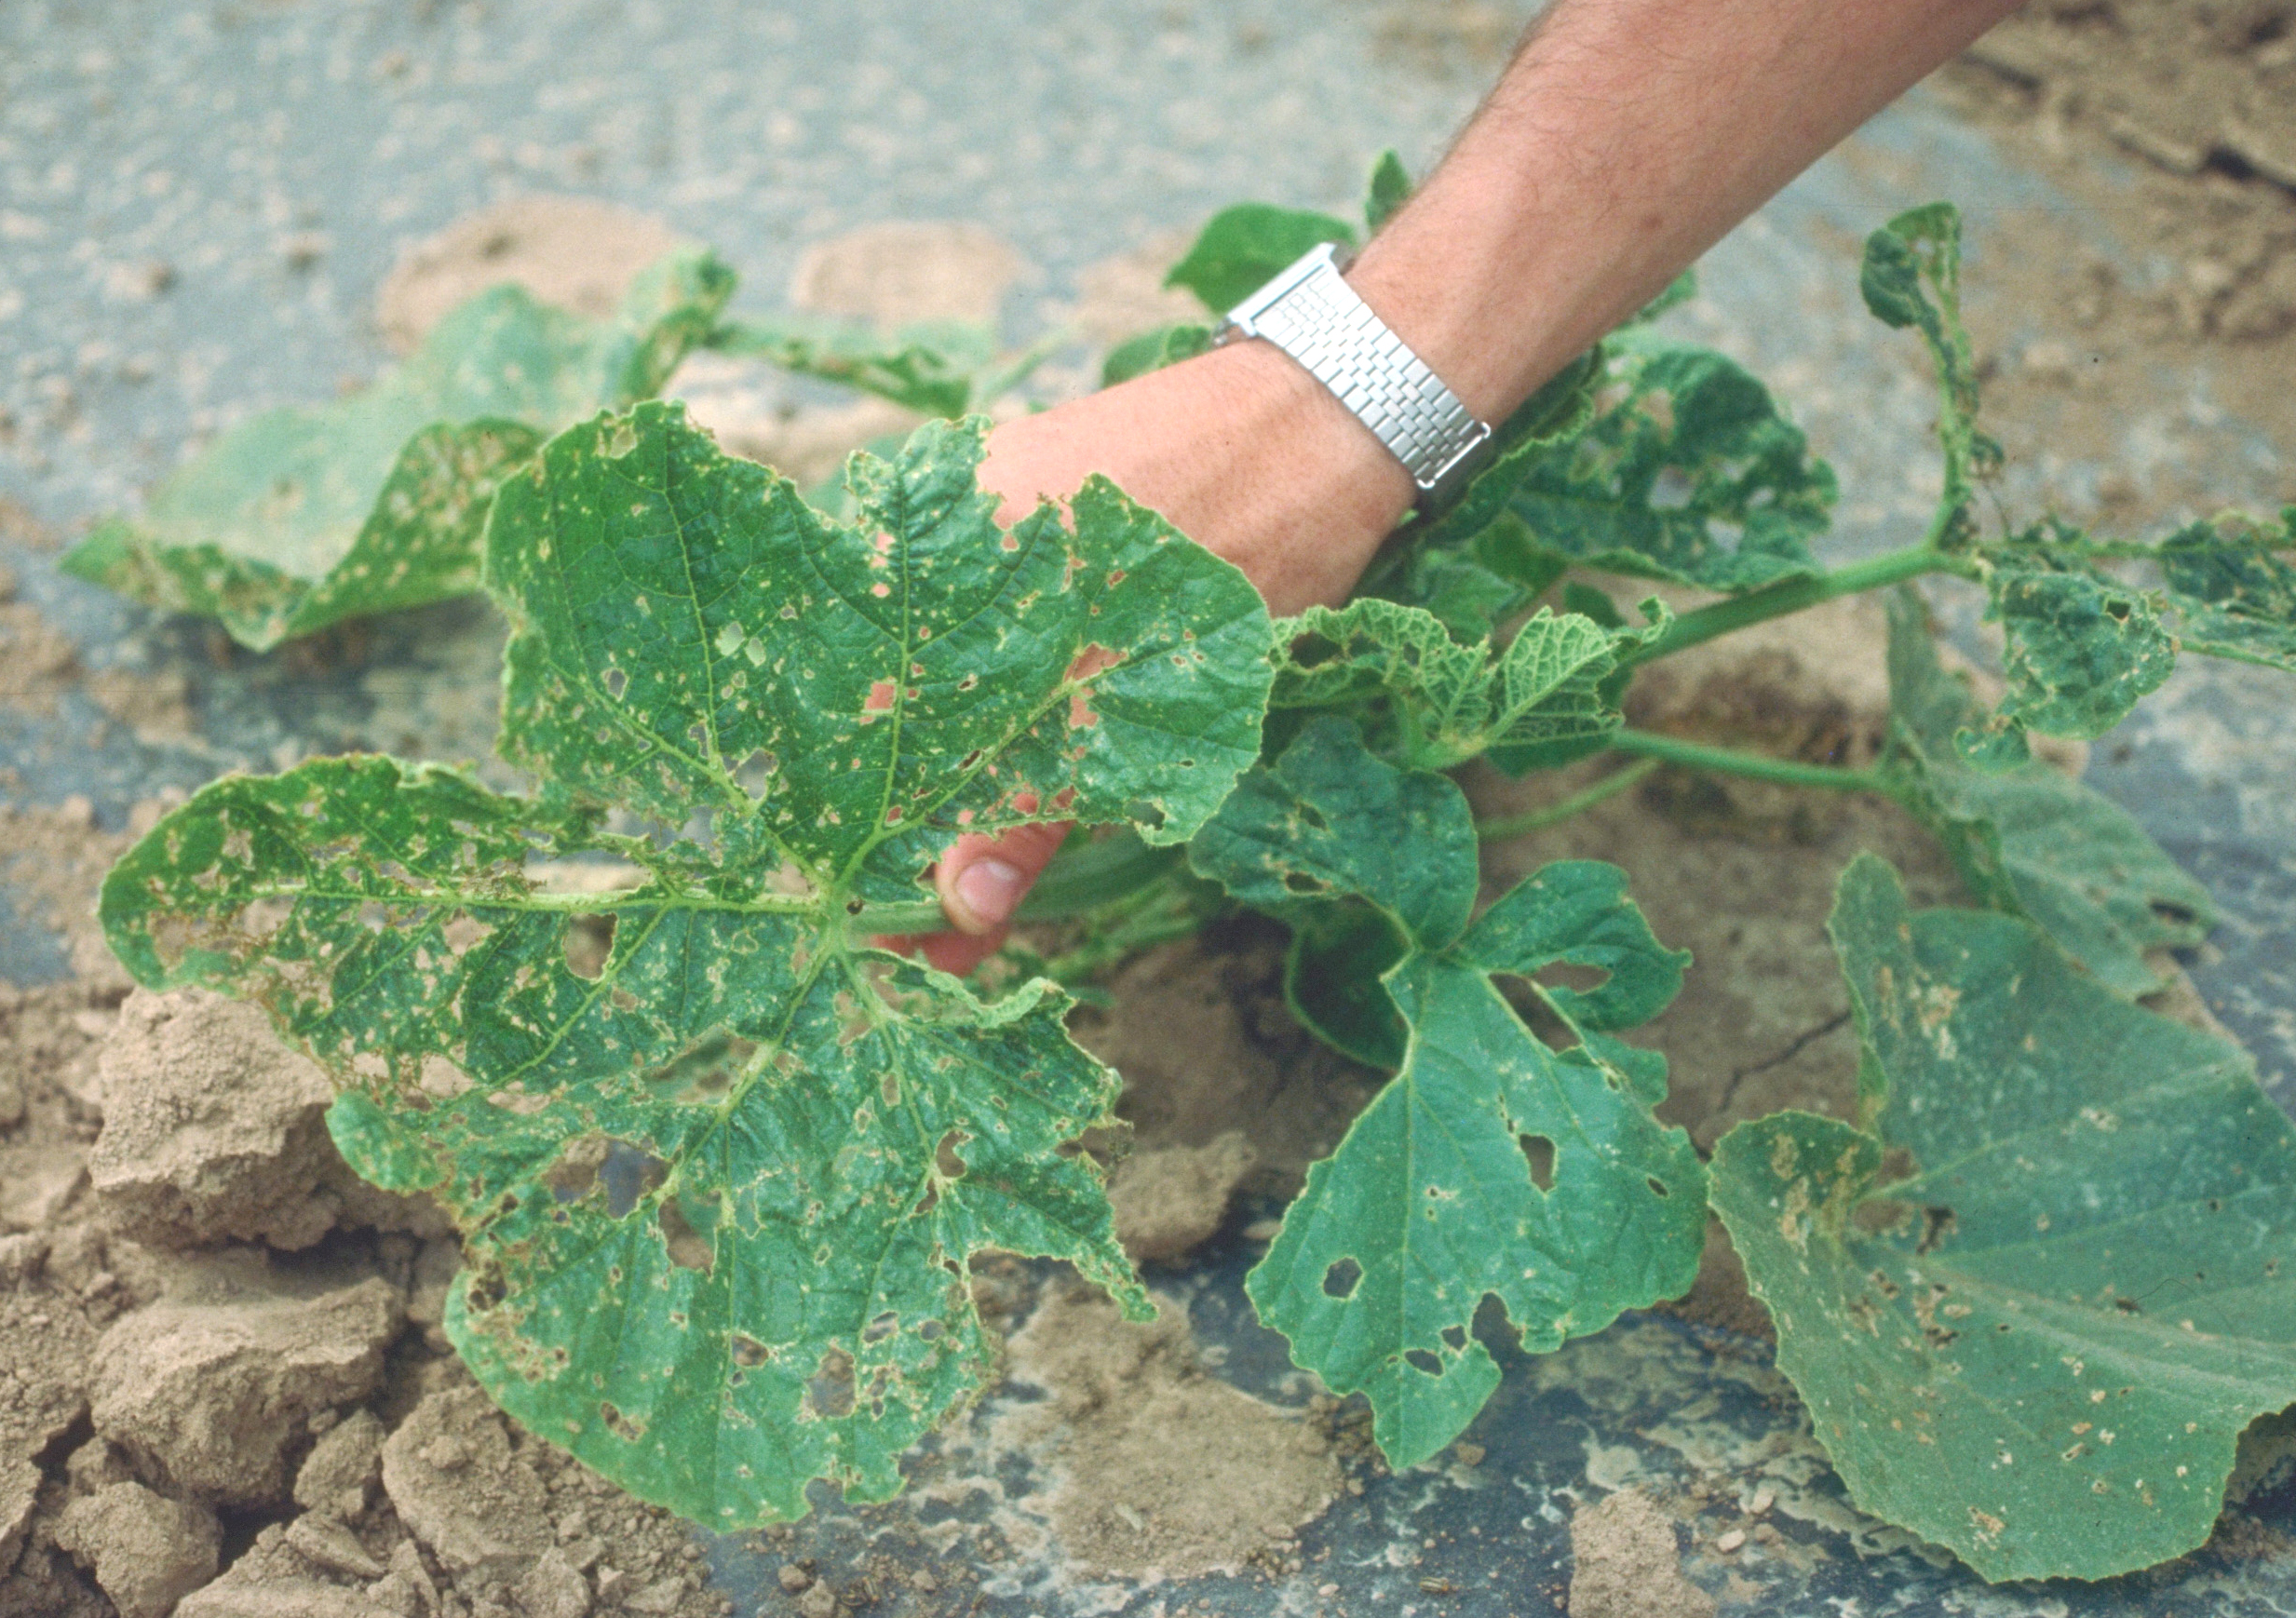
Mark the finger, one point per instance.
(982, 880)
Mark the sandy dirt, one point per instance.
(1625, 1563)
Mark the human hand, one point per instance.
(1242, 450)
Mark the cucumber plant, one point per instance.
(720, 1160)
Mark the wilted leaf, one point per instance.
(2029, 839)
(719, 1164)
(933, 369)
(2037, 1346)
(1244, 247)
(1689, 472)
(305, 516)
(1911, 277)
(1491, 1166)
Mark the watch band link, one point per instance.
(1311, 313)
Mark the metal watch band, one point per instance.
(1312, 313)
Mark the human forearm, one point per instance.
(1626, 138)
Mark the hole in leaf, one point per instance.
(1301, 882)
(1341, 1279)
(621, 439)
(1454, 1338)
(574, 1174)
(1658, 1187)
(945, 1159)
(755, 774)
(928, 1329)
(1937, 1225)
(830, 1392)
(587, 941)
(688, 1249)
(880, 1328)
(1419, 1359)
(748, 1351)
(705, 1070)
(1314, 816)
(1539, 1152)
(616, 683)
(623, 1427)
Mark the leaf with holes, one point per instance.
(719, 1164)
(1431, 702)
(2037, 1344)
(1912, 278)
(1689, 471)
(1491, 1166)
(307, 515)
(2232, 585)
(2029, 839)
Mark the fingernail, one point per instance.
(989, 889)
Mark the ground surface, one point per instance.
(216, 1351)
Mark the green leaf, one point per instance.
(306, 516)
(1154, 351)
(1911, 277)
(931, 368)
(2037, 1346)
(2029, 839)
(1472, 588)
(1390, 188)
(2083, 649)
(2232, 589)
(1435, 702)
(816, 1134)
(1693, 474)
(1491, 1166)
(1243, 248)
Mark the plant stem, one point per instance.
(1755, 766)
(1793, 595)
(1531, 820)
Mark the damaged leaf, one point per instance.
(1688, 472)
(1491, 1165)
(2233, 587)
(2038, 1345)
(718, 1162)
(2028, 838)
(1432, 702)
(309, 515)
(1911, 277)
(934, 368)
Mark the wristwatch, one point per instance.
(1311, 313)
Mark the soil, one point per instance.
(2173, 124)
(1162, 1470)
(1624, 1563)
(575, 251)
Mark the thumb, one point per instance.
(982, 880)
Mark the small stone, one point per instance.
(662, 1595)
(1730, 1543)
(612, 1585)
(20, 1492)
(819, 1602)
(554, 1587)
(342, 1466)
(1470, 1454)
(1761, 1502)
(795, 1580)
(331, 1547)
(922, 1582)
(146, 1551)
